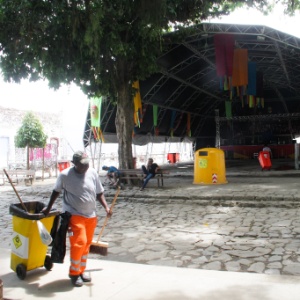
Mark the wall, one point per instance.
(11, 121)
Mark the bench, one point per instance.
(137, 174)
(16, 176)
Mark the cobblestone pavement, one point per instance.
(250, 224)
(262, 240)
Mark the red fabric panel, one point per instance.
(224, 47)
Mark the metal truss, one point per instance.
(218, 138)
(87, 134)
(265, 47)
(237, 29)
(107, 114)
(190, 84)
(154, 89)
(261, 117)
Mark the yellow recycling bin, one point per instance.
(27, 250)
(209, 166)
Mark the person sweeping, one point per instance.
(81, 187)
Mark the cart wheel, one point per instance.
(21, 271)
(48, 264)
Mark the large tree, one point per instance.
(102, 45)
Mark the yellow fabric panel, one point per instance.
(137, 103)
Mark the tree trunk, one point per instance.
(124, 125)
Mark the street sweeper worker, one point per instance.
(268, 149)
(81, 187)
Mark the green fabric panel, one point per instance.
(155, 115)
(228, 109)
(96, 104)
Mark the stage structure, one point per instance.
(197, 77)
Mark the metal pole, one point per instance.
(217, 119)
(296, 156)
(1, 289)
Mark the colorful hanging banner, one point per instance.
(155, 110)
(224, 47)
(95, 109)
(259, 84)
(251, 89)
(240, 67)
(137, 104)
(228, 109)
(173, 117)
(155, 115)
(188, 125)
(251, 101)
(95, 106)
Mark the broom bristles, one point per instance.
(99, 243)
(99, 248)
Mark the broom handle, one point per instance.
(106, 218)
(24, 207)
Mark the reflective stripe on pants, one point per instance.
(81, 232)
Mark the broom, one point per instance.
(12, 185)
(97, 246)
(44, 234)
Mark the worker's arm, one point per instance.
(53, 197)
(102, 200)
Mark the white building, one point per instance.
(10, 122)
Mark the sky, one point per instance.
(36, 96)
(69, 101)
(276, 19)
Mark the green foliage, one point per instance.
(31, 133)
(103, 46)
(98, 44)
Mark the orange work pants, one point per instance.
(81, 232)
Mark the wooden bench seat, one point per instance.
(137, 174)
(16, 176)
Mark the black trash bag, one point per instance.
(59, 234)
(54, 228)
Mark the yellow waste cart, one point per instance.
(209, 166)
(27, 250)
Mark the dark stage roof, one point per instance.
(188, 84)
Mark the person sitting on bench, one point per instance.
(149, 172)
(112, 174)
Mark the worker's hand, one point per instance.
(45, 211)
(108, 212)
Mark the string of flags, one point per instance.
(237, 74)
(140, 110)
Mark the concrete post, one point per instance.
(296, 156)
(1, 289)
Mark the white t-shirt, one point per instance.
(80, 191)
